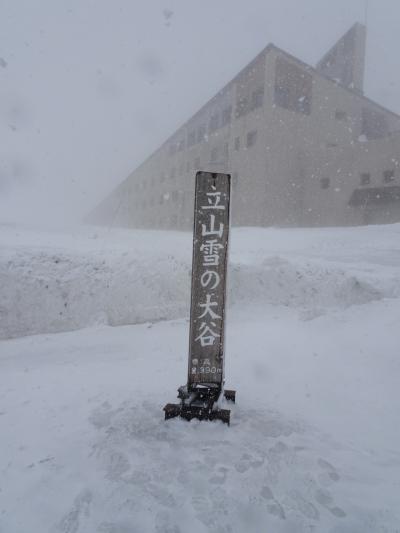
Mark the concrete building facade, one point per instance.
(304, 147)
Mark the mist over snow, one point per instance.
(89, 89)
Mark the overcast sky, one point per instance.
(90, 87)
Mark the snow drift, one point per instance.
(53, 282)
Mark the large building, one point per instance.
(304, 147)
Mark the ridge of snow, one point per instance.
(57, 282)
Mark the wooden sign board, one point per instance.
(199, 398)
(210, 254)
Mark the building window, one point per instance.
(388, 176)
(365, 178)
(340, 115)
(293, 87)
(172, 173)
(191, 138)
(172, 149)
(257, 98)
(374, 124)
(242, 106)
(325, 182)
(201, 133)
(251, 138)
(237, 144)
(214, 122)
(214, 155)
(181, 145)
(226, 115)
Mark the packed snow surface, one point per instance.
(313, 348)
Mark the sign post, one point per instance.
(205, 386)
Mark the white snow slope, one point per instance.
(312, 349)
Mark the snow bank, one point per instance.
(54, 282)
(49, 292)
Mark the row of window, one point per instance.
(219, 120)
(293, 87)
(365, 179)
(292, 91)
(245, 104)
(176, 196)
(374, 125)
(387, 175)
(199, 134)
(217, 154)
(251, 139)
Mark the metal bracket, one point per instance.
(201, 402)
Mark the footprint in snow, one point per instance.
(81, 506)
(328, 474)
(324, 497)
(220, 477)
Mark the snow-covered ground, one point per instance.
(54, 282)
(313, 345)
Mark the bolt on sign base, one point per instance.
(200, 402)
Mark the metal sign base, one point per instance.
(201, 402)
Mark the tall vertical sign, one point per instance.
(210, 254)
(200, 396)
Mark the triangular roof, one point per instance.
(345, 61)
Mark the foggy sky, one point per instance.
(88, 88)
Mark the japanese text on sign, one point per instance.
(209, 277)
